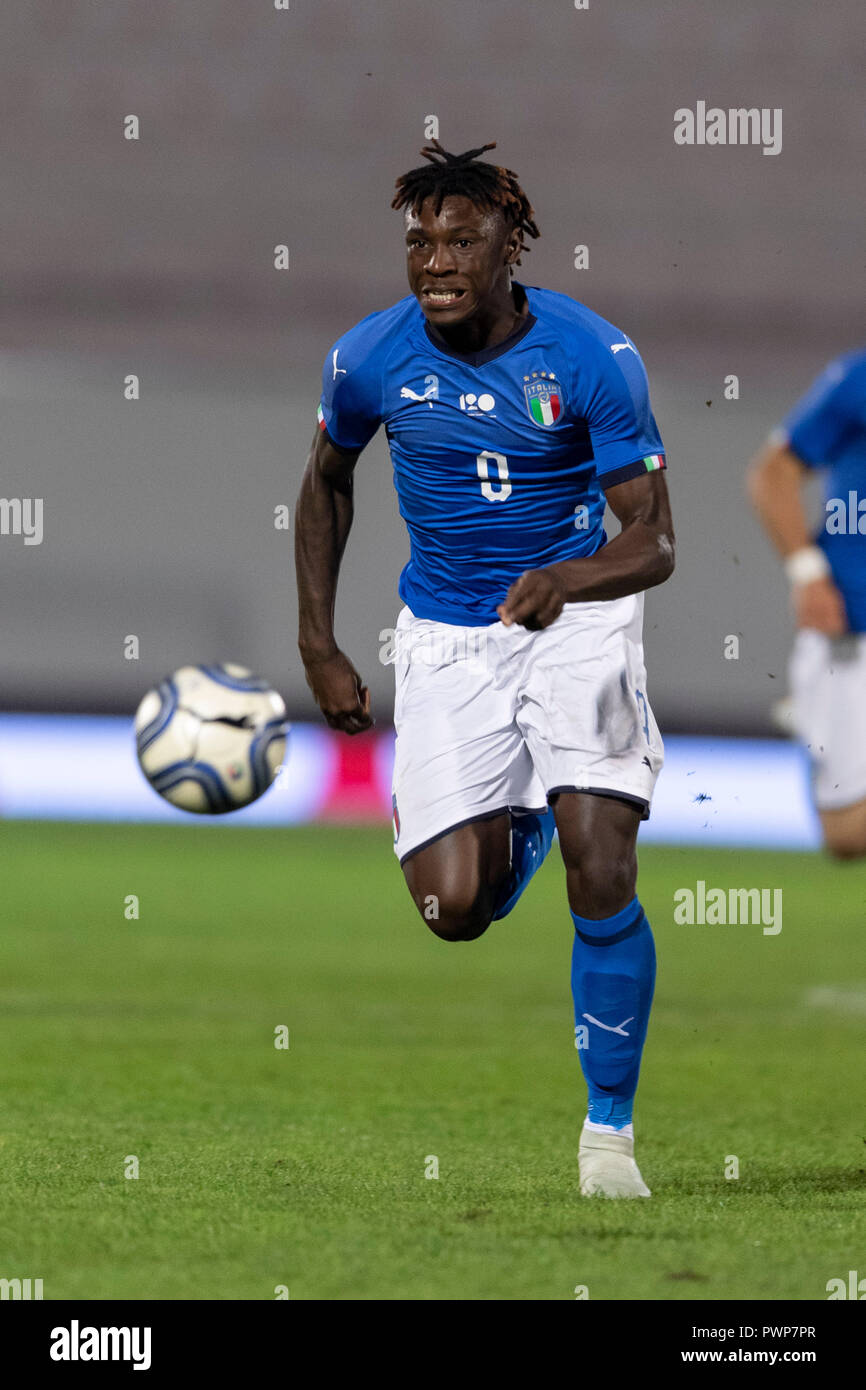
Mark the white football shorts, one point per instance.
(499, 718)
(828, 687)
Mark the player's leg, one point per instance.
(596, 746)
(612, 979)
(467, 878)
(471, 821)
(532, 834)
(457, 880)
(828, 676)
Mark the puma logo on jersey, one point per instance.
(618, 347)
(431, 391)
(341, 370)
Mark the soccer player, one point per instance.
(512, 414)
(827, 572)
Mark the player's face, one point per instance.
(458, 261)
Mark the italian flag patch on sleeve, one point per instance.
(320, 416)
(653, 462)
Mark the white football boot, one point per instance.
(607, 1166)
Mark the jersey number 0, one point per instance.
(491, 491)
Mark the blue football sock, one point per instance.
(613, 968)
(531, 838)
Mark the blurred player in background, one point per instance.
(827, 572)
(512, 414)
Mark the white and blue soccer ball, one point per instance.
(211, 739)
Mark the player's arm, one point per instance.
(775, 486)
(641, 556)
(323, 519)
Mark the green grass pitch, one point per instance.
(261, 1167)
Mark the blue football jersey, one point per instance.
(827, 430)
(500, 457)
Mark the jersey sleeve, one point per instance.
(818, 427)
(350, 409)
(624, 435)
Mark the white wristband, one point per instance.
(806, 565)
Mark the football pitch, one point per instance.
(147, 1044)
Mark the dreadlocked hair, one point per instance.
(489, 186)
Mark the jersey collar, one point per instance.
(477, 359)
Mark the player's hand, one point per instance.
(820, 605)
(535, 600)
(338, 691)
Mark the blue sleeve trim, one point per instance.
(628, 471)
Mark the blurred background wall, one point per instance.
(260, 127)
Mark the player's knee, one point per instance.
(456, 915)
(600, 884)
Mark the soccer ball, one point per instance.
(211, 739)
